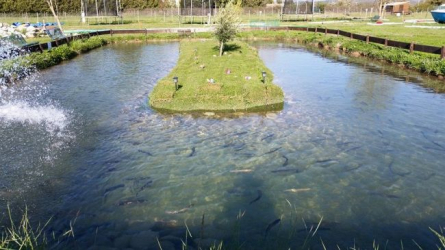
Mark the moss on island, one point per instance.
(207, 82)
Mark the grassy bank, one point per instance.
(237, 81)
(423, 62)
(426, 63)
(20, 67)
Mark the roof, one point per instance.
(396, 3)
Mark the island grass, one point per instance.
(198, 63)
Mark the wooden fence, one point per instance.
(368, 39)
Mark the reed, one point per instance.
(22, 235)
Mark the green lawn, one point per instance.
(240, 90)
(147, 19)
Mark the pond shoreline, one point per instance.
(421, 62)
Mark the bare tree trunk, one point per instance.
(221, 49)
(51, 7)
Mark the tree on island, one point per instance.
(227, 23)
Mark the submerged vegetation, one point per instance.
(207, 82)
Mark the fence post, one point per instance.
(338, 32)
(411, 48)
(316, 29)
(111, 32)
(307, 29)
(325, 31)
(367, 39)
(442, 53)
(386, 42)
(352, 35)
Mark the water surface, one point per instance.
(358, 148)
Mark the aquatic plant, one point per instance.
(23, 235)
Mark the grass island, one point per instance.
(208, 82)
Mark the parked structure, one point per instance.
(397, 8)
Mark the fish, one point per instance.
(139, 178)
(160, 225)
(433, 142)
(241, 133)
(241, 171)
(144, 152)
(403, 174)
(146, 185)
(427, 177)
(326, 163)
(193, 152)
(270, 226)
(110, 189)
(352, 168)
(273, 150)
(433, 148)
(130, 202)
(282, 170)
(352, 149)
(297, 190)
(267, 137)
(183, 210)
(286, 161)
(239, 146)
(380, 132)
(260, 194)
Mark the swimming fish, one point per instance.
(146, 185)
(139, 178)
(273, 150)
(403, 174)
(241, 133)
(260, 194)
(297, 190)
(130, 202)
(286, 161)
(270, 226)
(241, 171)
(433, 142)
(193, 152)
(282, 170)
(183, 210)
(351, 149)
(144, 152)
(110, 189)
(267, 137)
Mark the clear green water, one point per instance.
(358, 147)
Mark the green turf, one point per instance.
(198, 63)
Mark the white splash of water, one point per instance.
(54, 119)
(14, 64)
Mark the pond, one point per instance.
(358, 147)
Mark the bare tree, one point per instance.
(381, 6)
(51, 4)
